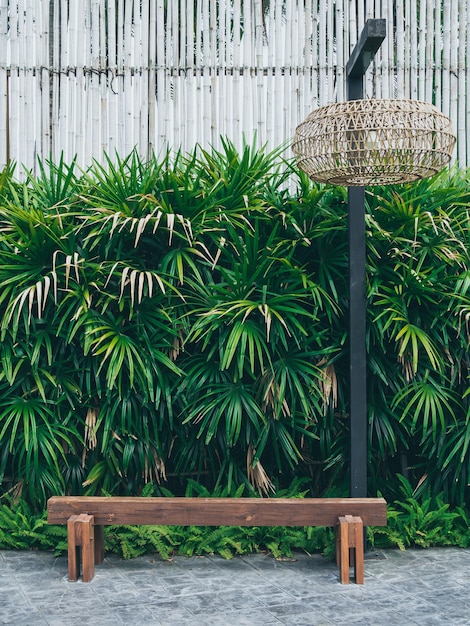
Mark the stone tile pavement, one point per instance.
(413, 588)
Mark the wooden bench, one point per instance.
(86, 516)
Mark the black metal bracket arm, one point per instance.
(372, 36)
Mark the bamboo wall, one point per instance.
(80, 77)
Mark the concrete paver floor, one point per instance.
(425, 587)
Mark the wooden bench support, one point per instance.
(81, 549)
(99, 544)
(350, 548)
(86, 517)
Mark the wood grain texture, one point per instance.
(217, 511)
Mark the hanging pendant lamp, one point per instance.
(373, 142)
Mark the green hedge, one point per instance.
(186, 317)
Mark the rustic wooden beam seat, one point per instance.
(86, 516)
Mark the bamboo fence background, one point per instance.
(80, 77)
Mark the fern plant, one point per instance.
(423, 521)
(132, 541)
(21, 529)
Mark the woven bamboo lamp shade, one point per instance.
(373, 142)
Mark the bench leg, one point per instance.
(350, 548)
(99, 544)
(80, 535)
(73, 554)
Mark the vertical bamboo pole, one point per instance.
(400, 51)
(391, 47)
(86, 55)
(386, 86)
(214, 81)
(291, 65)
(268, 78)
(421, 48)
(114, 89)
(86, 64)
(340, 78)
(32, 39)
(29, 107)
(70, 35)
(306, 94)
(329, 87)
(55, 78)
(128, 95)
(4, 87)
(315, 57)
(453, 64)
(322, 54)
(466, 94)
(405, 52)
(447, 43)
(160, 103)
(83, 87)
(178, 23)
(223, 39)
(169, 78)
(196, 95)
(170, 63)
(190, 78)
(104, 79)
(73, 77)
(120, 64)
(144, 78)
(462, 118)
(136, 73)
(258, 32)
(178, 92)
(23, 95)
(437, 56)
(64, 121)
(429, 54)
(152, 68)
(14, 84)
(43, 74)
(246, 102)
(94, 80)
(412, 21)
(276, 40)
(361, 13)
(369, 13)
(287, 65)
(236, 88)
(353, 26)
(22, 85)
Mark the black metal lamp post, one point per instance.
(368, 142)
(371, 38)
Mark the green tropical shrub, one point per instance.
(419, 332)
(185, 318)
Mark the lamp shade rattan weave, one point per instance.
(373, 142)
